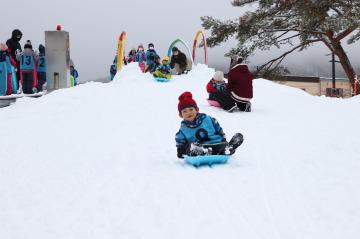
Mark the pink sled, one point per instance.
(214, 103)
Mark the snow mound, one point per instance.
(99, 161)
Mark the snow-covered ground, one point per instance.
(99, 161)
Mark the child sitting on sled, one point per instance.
(201, 134)
(163, 70)
(216, 86)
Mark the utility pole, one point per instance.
(333, 61)
(333, 71)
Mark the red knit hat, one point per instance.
(185, 101)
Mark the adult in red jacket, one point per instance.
(240, 85)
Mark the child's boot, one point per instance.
(235, 142)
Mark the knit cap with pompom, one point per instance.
(185, 101)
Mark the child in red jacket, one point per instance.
(216, 85)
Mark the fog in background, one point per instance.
(95, 26)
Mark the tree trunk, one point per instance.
(346, 65)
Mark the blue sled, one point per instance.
(206, 160)
(159, 79)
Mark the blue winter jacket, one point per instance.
(140, 57)
(204, 129)
(164, 68)
(74, 72)
(150, 56)
(27, 59)
(41, 63)
(113, 70)
(5, 58)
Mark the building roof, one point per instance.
(309, 79)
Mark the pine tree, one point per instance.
(295, 23)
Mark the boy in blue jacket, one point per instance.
(201, 134)
(41, 68)
(28, 76)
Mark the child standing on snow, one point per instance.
(73, 73)
(28, 76)
(151, 58)
(201, 134)
(140, 57)
(163, 70)
(8, 64)
(41, 68)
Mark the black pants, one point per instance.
(41, 80)
(227, 102)
(27, 82)
(243, 105)
(217, 149)
(224, 99)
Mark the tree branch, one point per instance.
(344, 34)
(279, 59)
(293, 30)
(288, 38)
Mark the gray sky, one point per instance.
(95, 25)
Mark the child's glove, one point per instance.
(180, 152)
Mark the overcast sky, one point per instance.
(95, 25)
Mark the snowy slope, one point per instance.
(99, 161)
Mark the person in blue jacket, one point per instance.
(151, 56)
(140, 57)
(163, 70)
(154, 65)
(7, 68)
(74, 73)
(201, 134)
(113, 68)
(41, 68)
(28, 59)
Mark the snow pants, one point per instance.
(9, 84)
(228, 103)
(41, 80)
(27, 82)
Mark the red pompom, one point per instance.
(185, 95)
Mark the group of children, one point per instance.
(201, 134)
(29, 65)
(25, 69)
(150, 61)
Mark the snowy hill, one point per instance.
(99, 161)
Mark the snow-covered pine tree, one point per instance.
(296, 23)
